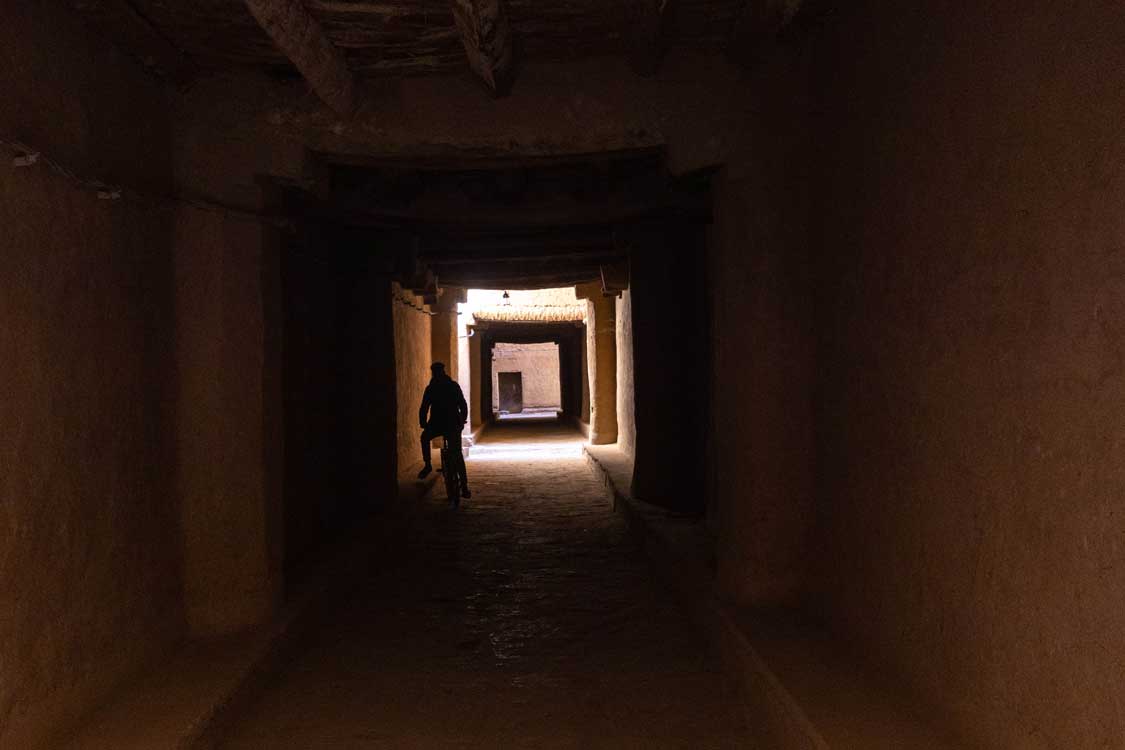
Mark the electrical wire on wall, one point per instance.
(26, 156)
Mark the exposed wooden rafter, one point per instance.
(298, 35)
(487, 38)
(524, 280)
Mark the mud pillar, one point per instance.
(464, 373)
(601, 362)
(443, 343)
(444, 327)
(584, 374)
(486, 349)
(228, 456)
(670, 367)
(476, 371)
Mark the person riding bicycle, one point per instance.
(448, 412)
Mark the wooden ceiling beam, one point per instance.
(528, 268)
(462, 247)
(451, 216)
(523, 282)
(298, 35)
(487, 38)
(596, 257)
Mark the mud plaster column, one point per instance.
(601, 362)
(464, 359)
(227, 423)
(444, 338)
(475, 372)
(443, 341)
(584, 406)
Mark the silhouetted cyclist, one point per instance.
(448, 412)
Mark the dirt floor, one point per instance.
(527, 618)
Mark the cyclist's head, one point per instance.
(437, 369)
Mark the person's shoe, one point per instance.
(425, 472)
(465, 493)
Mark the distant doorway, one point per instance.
(526, 381)
(511, 392)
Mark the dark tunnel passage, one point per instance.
(526, 618)
(523, 621)
(788, 332)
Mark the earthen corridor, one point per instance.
(784, 340)
(528, 618)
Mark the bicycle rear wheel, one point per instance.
(449, 472)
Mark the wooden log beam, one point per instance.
(647, 25)
(525, 282)
(516, 270)
(487, 39)
(298, 35)
(449, 262)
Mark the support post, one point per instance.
(476, 376)
(443, 341)
(601, 362)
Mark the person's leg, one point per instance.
(427, 436)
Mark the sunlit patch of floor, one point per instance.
(536, 415)
(530, 451)
(528, 441)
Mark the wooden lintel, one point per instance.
(300, 38)
(487, 38)
(615, 278)
(501, 260)
(588, 290)
(526, 281)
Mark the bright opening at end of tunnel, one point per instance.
(521, 331)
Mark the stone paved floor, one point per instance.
(526, 619)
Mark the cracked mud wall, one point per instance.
(971, 392)
(89, 546)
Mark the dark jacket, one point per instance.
(446, 405)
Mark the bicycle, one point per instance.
(451, 468)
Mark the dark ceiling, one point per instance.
(408, 37)
(516, 225)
